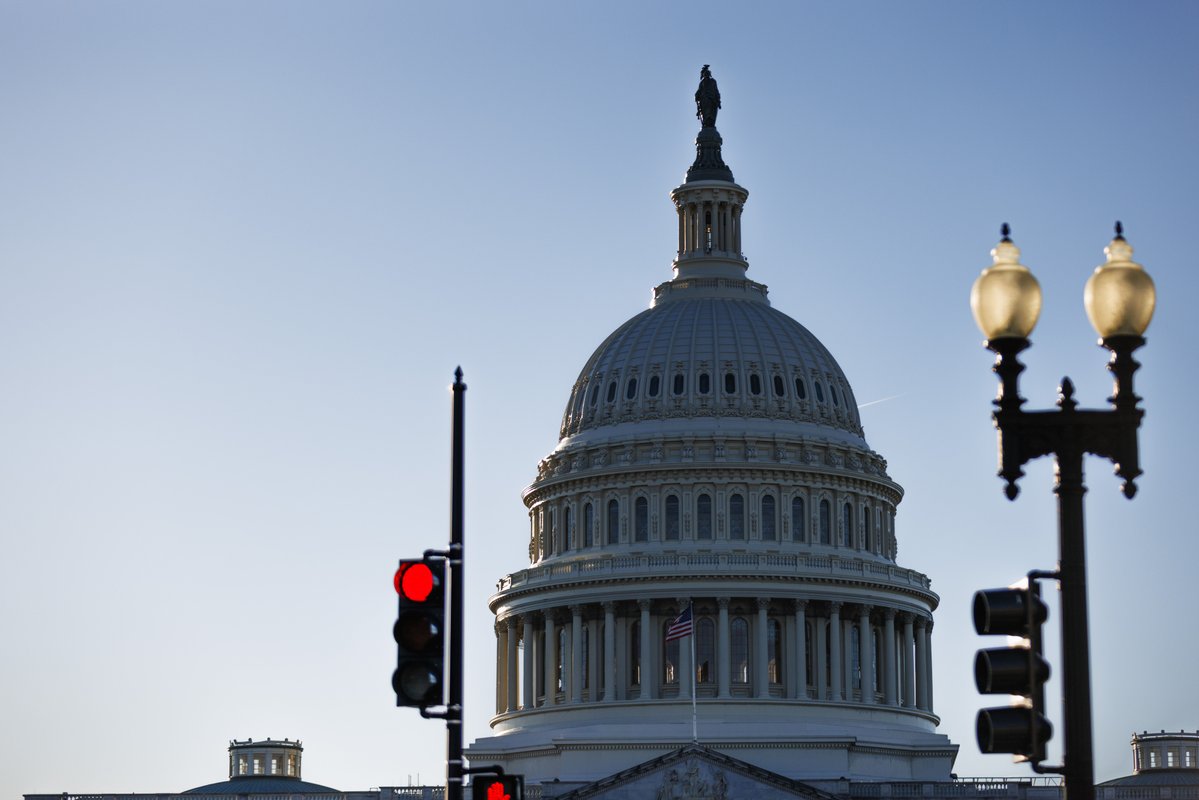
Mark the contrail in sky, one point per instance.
(876, 402)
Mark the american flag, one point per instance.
(681, 626)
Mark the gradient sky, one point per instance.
(244, 245)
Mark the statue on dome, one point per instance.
(707, 98)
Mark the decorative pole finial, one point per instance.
(1119, 229)
(1005, 231)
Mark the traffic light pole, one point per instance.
(454, 767)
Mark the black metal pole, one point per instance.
(454, 768)
(1078, 755)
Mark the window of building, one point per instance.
(553, 531)
(778, 385)
(568, 529)
(817, 386)
(613, 522)
(832, 390)
(826, 526)
(679, 384)
(705, 650)
(730, 383)
(242, 765)
(703, 517)
(631, 390)
(611, 391)
(739, 649)
(670, 656)
(655, 383)
(798, 521)
(560, 677)
(736, 517)
(866, 537)
(594, 395)
(768, 520)
(1169, 758)
(588, 526)
(705, 383)
(586, 658)
(635, 652)
(672, 517)
(755, 384)
(846, 525)
(774, 651)
(641, 520)
(257, 765)
(801, 391)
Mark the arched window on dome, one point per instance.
(672, 518)
(769, 523)
(560, 677)
(816, 385)
(778, 386)
(635, 653)
(553, 514)
(670, 655)
(705, 651)
(613, 521)
(739, 650)
(588, 525)
(703, 517)
(774, 651)
(799, 522)
(832, 390)
(755, 384)
(705, 383)
(680, 383)
(594, 397)
(801, 391)
(826, 523)
(655, 385)
(641, 520)
(736, 516)
(631, 390)
(611, 391)
(866, 537)
(568, 529)
(730, 383)
(846, 525)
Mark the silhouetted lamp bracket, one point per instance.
(1119, 299)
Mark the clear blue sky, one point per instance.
(244, 245)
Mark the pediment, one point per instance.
(696, 773)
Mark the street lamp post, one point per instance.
(1119, 299)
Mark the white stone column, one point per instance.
(800, 650)
(686, 668)
(551, 659)
(723, 656)
(576, 654)
(866, 653)
(847, 657)
(822, 666)
(501, 667)
(889, 672)
(928, 665)
(835, 667)
(909, 672)
(512, 670)
(761, 674)
(527, 698)
(649, 680)
(921, 663)
(594, 666)
(609, 652)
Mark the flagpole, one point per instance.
(694, 673)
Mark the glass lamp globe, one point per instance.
(1006, 297)
(1119, 295)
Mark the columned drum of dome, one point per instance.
(711, 455)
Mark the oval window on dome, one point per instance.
(679, 384)
(819, 391)
(631, 390)
(654, 385)
(755, 384)
(801, 391)
(778, 385)
(730, 383)
(611, 391)
(832, 390)
(594, 395)
(705, 383)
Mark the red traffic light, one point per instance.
(504, 787)
(414, 581)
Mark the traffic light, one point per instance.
(420, 633)
(1022, 728)
(498, 787)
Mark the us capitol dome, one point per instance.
(711, 457)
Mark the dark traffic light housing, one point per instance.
(420, 633)
(1021, 670)
(498, 787)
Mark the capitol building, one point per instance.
(711, 457)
